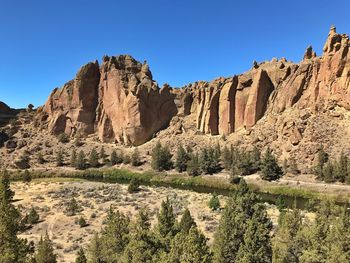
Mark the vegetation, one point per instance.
(193, 168)
(93, 158)
(182, 158)
(33, 217)
(63, 138)
(45, 252)
(73, 158)
(27, 178)
(214, 202)
(270, 170)
(81, 162)
(161, 158)
(135, 158)
(59, 158)
(209, 160)
(81, 258)
(134, 186)
(82, 222)
(72, 207)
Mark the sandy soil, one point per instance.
(49, 197)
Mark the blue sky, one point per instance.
(44, 43)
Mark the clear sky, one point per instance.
(43, 43)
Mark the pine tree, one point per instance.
(328, 172)
(341, 171)
(73, 158)
(93, 159)
(81, 258)
(45, 252)
(81, 162)
(12, 249)
(135, 158)
(186, 222)
(59, 158)
(182, 159)
(193, 168)
(255, 160)
(322, 158)
(270, 170)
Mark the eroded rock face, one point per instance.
(121, 102)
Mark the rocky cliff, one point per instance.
(120, 102)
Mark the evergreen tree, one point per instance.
(135, 158)
(328, 172)
(193, 168)
(209, 161)
(73, 158)
(81, 258)
(27, 178)
(142, 246)
(166, 219)
(341, 171)
(161, 158)
(236, 219)
(186, 222)
(182, 159)
(12, 249)
(270, 170)
(59, 158)
(286, 244)
(114, 157)
(256, 245)
(226, 157)
(103, 155)
(33, 216)
(95, 250)
(322, 158)
(214, 202)
(114, 237)
(72, 207)
(134, 186)
(45, 252)
(81, 162)
(255, 160)
(93, 159)
(190, 248)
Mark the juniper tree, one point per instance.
(214, 202)
(270, 170)
(135, 158)
(193, 168)
(182, 159)
(114, 236)
(33, 216)
(81, 258)
(103, 155)
(161, 158)
(45, 252)
(59, 157)
(186, 222)
(226, 157)
(114, 157)
(12, 248)
(73, 158)
(81, 162)
(93, 158)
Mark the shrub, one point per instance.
(59, 158)
(134, 186)
(193, 168)
(161, 158)
(26, 176)
(93, 159)
(63, 138)
(135, 158)
(33, 217)
(72, 207)
(214, 202)
(269, 168)
(82, 222)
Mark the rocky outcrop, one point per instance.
(120, 101)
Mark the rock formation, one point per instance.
(120, 102)
(117, 100)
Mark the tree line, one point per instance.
(245, 235)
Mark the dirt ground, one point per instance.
(49, 197)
